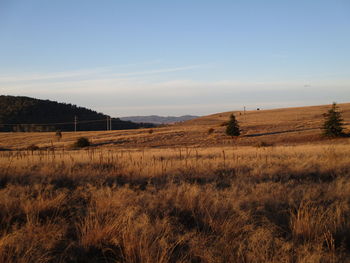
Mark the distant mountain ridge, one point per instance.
(18, 113)
(159, 119)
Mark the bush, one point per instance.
(82, 142)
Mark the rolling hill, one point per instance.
(278, 127)
(30, 114)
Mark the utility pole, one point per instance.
(110, 123)
(75, 123)
(244, 110)
(107, 123)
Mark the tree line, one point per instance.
(23, 114)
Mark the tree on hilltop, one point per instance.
(333, 125)
(232, 128)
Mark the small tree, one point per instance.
(333, 125)
(232, 128)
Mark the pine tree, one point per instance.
(232, 128)
(333, 125)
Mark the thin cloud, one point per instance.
(97, 73)
(158, 71)
(48, 76)
(128, 85)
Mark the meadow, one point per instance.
(288, 126)
(277, 197)
(219, 204)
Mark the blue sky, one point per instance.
(176, 57)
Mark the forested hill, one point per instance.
(30, 114)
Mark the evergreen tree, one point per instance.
(333, 125)
(232, 128)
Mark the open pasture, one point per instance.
(287, 126)
(184, 204)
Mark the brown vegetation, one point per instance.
(281, 127)
(182, 193)
(221, 204)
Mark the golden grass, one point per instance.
(180, 193)
(189, 204)
(280, 126)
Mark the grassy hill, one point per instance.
(180, 193)
(29, 114)
(277, 126)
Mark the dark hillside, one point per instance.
(29, 114)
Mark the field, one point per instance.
(280, 193)
(280, 127)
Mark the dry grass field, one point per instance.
(281, 127)
(180, 194)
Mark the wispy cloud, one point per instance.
(122, 92)
(129, 84)
(99, 81)
(157, 71)
(48, 76)
(96, 73)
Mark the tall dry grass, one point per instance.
(233, 204)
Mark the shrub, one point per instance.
(82, 142)
(211, 130)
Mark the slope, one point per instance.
(273, 127)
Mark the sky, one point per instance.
(179, 57)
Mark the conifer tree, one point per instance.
(232, 128)
(333, 125)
